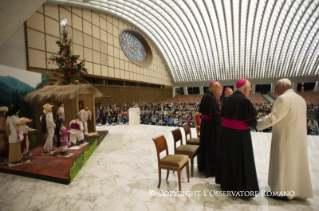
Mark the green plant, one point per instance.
(33, 140)
(81, 160)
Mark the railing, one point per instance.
(273, 97)
(265, 98)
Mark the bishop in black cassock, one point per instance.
(236, 169)
(209, 129)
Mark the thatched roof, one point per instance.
(61, 93)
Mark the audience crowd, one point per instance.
(164, 114)
(179, 110)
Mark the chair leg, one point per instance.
(179, 180)
(187, 169)
(192, 166)
(167, 174)
(159, 177)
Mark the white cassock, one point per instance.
(50, 128)
(288, 165)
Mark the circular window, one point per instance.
(132, 47)
(136, 48)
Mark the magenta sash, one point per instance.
(205, 116)
(235, 124)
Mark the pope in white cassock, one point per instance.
(288, 165)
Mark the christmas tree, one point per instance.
(69, 71)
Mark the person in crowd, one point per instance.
(101, 109)
(288, 165)
(23, 135)
(210, 129)
(190, 122)
(76, 131)
(313, 126)
(236, 165)
(119, 118)
(170, 121)
(85, 117)
(104, 116)
(114, 117)
(50, 125)
(109, 118)
(60, 111)
(125, 119)
(175, 121)
(3, 135)
(13, 123)
(97, 118)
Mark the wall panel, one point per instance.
(127, 94)
(96, 39)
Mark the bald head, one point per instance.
(215, 88)
(228, 92)
(245, 89)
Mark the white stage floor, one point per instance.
(123, 172)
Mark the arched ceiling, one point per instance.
(202, 40)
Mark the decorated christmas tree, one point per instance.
(69, 71)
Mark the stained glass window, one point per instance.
(132, 47)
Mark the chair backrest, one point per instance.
(177, 135)
(197, 122)
(197, 119)
(161, 145)
(187, 130)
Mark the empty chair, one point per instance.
(190, 140)
(197, 123)
(169, 162)
(190, 150)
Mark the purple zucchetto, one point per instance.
(212, 81)
(240, 83)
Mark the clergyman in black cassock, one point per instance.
(236, 169)
(209, 129)
(228, 92)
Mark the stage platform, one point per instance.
(52, 167)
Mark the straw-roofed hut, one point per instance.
(70, 95)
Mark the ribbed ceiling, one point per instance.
(223, 39)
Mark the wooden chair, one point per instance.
(197, 123)
(190, 150)
(190, 140)
(169, 162)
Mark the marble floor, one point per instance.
(122, 174)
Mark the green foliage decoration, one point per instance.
(81, 160)
(33, 140)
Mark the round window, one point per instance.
(132, 47)
(136, 48)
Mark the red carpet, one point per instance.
(48, 167)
